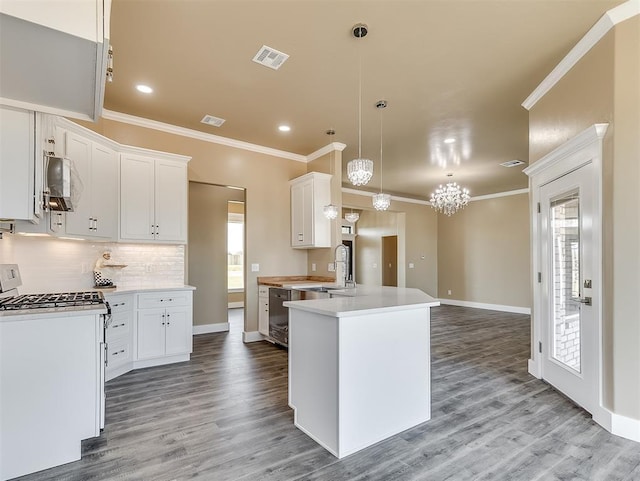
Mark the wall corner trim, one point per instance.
(483, 305)
(208, 328)
(609, 20)
(251, 336)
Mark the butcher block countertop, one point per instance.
(289, 281)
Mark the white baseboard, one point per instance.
(208, 328)
(617, 424)
(252, 336)
(533, 368)
(160, 361)
(482, 305)
(235, 305)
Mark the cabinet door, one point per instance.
(104, 191)
(301, 204)
(78, 149)
(136, 198)
(17, 163)
(179, 331)
(263, 316)
(171, 201)
(150, 333)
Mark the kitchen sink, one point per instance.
(321, 289)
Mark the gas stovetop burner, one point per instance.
(49, 301)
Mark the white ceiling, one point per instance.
(448, 68)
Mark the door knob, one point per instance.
(583, 300)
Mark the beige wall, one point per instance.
(421, 240)
(603, 87)
(265, 180)
(207, 253)
(483, 252)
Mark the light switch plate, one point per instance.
(255, 267)
(313, 267)
(331, 267)
(411, 266)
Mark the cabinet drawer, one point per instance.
(164, 299)
(263, 291)
(121, 323)
(120, 303)
(118, 353)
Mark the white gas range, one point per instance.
(52, 362)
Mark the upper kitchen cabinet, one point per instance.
(54, 55)
(95, 199)
(153, 197)
(20, 172)
(309, 227)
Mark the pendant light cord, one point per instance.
(381, 151)
(359, 102)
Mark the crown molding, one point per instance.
(611, 18)
(333, 146)
(196, 134)
(500, 194)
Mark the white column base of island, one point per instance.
(359, 365)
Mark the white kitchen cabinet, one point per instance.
(153, 193)
(309, 227)
(20, 190)
(95, 211)
(119, 334)
(164, 327)
(55, 55)
(263, 310)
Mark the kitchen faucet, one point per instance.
(341, 277)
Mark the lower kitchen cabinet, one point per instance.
(263, 310)
(119, 334)
(164, 331)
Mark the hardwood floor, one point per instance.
(224, 416)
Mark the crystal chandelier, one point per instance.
(450, 198)
(330, 210)
(360, 170)
(352, 217)
(381, 201)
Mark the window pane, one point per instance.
(235, 255)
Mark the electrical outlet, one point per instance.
(331, 267)
(449, 292)
(375, 266)
(255, 267)
(84, 268)
(313, 267)
(148, 268)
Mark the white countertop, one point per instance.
(54, 312)
(366, 299)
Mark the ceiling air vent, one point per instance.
(511, 163)
(270, 57)
(211, 120)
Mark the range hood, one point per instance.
(58, 196)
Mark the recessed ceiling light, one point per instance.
(450, 140)
(145, 89)
(512, 163)
(284, 128)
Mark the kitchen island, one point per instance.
(359, 365)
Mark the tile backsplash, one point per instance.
(49, 264)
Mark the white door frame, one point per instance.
(584, 148)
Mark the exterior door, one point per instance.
(569, 327)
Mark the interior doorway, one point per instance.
(390, 260)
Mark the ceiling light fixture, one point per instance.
(284, 128)
(360, 170)
(330, 210)
(450, 198)
(145, 89)
(381, 201)
(352, 217)
(450, 140)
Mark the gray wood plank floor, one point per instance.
(224, 416)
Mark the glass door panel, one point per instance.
(565, 294)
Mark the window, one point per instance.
(235, 246)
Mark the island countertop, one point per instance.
(369, 299)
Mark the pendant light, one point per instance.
(381, 201)
(360, 170)
(352, 217)
(330, 210)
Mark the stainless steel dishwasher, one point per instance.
(279, 315)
